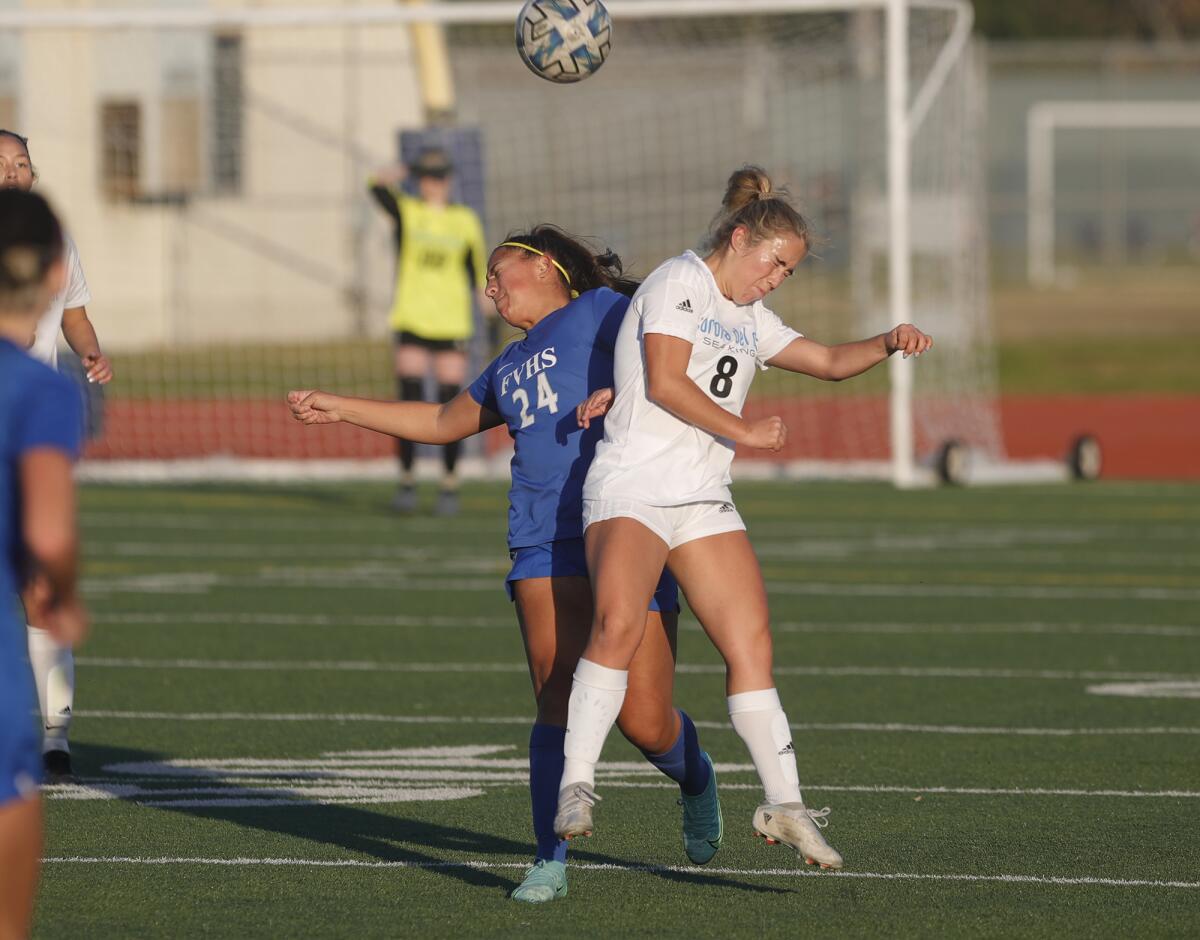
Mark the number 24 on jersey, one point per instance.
(546, 398)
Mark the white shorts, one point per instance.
(675, 525)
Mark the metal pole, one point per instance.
(900, 250)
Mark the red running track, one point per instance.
(1143, 438)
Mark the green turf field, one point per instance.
(270, 669)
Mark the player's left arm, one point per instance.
(81, 337)
(845, 360)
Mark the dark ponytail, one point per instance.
(31, 240)
(585, 269)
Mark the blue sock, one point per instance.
(545, 775)
(683, 763)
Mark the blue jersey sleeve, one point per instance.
(483, 388)
(608, 310)
(52, 416)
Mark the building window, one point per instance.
(120, 149)
(227, 114)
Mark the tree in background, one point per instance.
(1163, 20)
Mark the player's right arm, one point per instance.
(669, 386)
(422, 422)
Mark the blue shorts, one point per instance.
(564, 558)
(20, 741)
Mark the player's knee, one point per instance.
(617, 626)
(651, 730)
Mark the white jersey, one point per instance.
(648, 455)
(74, 294)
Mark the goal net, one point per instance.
(212, 166)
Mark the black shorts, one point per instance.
(405, 338)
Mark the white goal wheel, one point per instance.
(953, 459)
(1085, 458)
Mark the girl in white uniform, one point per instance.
(658, 490)
(53, 663)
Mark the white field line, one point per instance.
(101, 788)
(525, 720)
(998, 535)
(1048, 880)
(905, 672)
(1187, 689)
(235, 618)
(395, 579)
(824, 550)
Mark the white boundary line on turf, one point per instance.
(1053, 880)
(904, 672)
(383, 578)
(129, 786)
(232, 618)
(526, 720)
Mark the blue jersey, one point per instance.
(534, 385)
(38, 408)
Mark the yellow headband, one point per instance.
(561, 269)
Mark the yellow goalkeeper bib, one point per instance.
(433, 286)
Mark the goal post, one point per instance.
(217, 192)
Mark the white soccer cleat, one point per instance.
(796, 826)
(574, 816)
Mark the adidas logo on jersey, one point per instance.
(787, 749)
(685, 305)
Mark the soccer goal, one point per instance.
(211, 163)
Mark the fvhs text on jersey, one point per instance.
(536, 363)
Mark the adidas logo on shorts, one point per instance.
(787, 749)
(725, 507)
(685, 305)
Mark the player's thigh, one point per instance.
(721, 578)
(450, 366)
(412, 360)
(625, 560)
(555, 614)
(20, 856)
(648, 718)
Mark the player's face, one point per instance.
(511, 283)
(757, 268)
(434, 189)
(16, 170)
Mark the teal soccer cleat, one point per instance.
(703, 827)
(544, 881)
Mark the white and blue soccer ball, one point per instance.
(564, 40)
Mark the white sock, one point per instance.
(759, 720)
(596, 697)
(54, 675)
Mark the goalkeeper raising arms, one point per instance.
(570, 303)
(439, 262)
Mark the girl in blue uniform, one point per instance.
(40, 424)
(570, 303)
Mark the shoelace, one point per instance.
(820, 817)
(588, 798)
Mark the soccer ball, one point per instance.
(563, 40)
